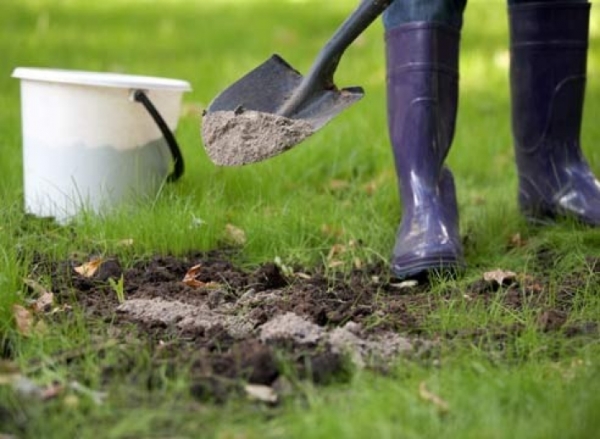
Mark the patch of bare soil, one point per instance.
(226, 326)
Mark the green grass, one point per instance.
(542, 385)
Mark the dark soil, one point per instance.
(227, 326)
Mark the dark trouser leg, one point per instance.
(448, 12)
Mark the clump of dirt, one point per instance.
(186, 317)
(234, 325)
(233, 138)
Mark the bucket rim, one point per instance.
(101, 79)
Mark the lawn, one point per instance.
(496, 367)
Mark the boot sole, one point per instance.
(424, 269)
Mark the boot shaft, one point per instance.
(548, 47)
(422, 98)
(549, 43)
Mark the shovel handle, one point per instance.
(320, 75)
(142, 98)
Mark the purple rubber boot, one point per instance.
(422, 87)
(549, 44)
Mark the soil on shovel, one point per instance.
(237, 327)
(238, 138)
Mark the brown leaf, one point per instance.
(190, 279)
(23, 319)
(516, 241)
(61, 308)
(431, 397)
(334, 263)
(46, 297)
(43, 303)
(530, 283)
(335, 250)
(89, 268)
(338, 185)
(371, 187)
(500, 277)
(235, 234)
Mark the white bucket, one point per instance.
(88, 144)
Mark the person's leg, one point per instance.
(548, 44)
(449, 12)
(422, 49)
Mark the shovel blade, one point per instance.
(270, 85)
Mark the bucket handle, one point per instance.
(141, 97)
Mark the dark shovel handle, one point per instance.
(178, 165)
(320, 75)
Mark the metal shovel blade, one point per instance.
(274, 107)
(266, 89)
(242, 124)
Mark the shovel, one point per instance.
(274, 107)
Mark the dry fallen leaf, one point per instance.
(517, 241)
(500, 277)
(23, 319)
(371, 187)
(405, 284)
(46, 297)
(235, 234)
(338, 185)
(334, 264)
(43, 303)
(431, 397)
(261, 393)
(89, 268)
(530, 283)
(335, 250)
(190, 279)
(61, 308)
